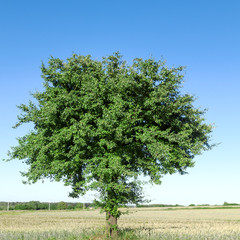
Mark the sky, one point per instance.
(202, 35)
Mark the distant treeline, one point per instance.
(158, 205)
(205, 205)
(230, 204)
(36, 205)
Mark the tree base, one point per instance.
(111, 225)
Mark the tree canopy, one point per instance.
(99, 125)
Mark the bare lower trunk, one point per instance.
(111, 225)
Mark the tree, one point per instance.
(62, 206)
(99, 125)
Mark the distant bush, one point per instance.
(192, 205)
(62, 206)
(21, 207)
(158, 205)
(36, 205)
(53, 206)
(32, 205)
(70, 207)
(232, 204)
(79, 206)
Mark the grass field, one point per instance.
(143, 223)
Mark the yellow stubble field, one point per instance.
(148, 223)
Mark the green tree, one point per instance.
(79, 206)
(33, 205)
(62, 206)
(99, 125)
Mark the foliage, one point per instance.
(62, 206)
(32, 205)
(158, 205)
(100, 125)
(70, 207)
(230, 204)
(36, 205)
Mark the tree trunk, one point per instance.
(111, 225)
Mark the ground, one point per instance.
(147, 223)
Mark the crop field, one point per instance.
(145, 223)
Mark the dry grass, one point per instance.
(148, 223)
(29, 221)
(203, 222)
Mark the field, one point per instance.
(145, 223)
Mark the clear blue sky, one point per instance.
(202, 35)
